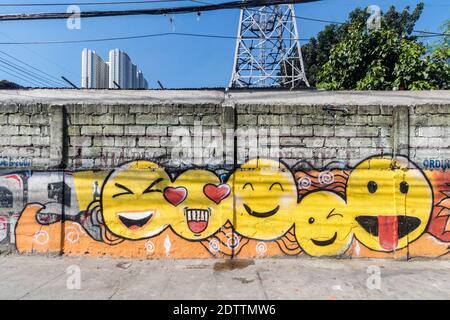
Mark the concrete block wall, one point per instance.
(429, 135)
(103, 136)
(65, 147)
(25, 135)
(321, 134)
(77, 130)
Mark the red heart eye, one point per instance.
(175, 196)
(217, 193)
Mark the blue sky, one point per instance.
(175, 61)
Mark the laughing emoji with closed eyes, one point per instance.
(132, 201)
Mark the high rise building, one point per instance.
(134, 76)
(94, 71)
(119, 72)
(142, 83)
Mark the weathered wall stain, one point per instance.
(383, 207)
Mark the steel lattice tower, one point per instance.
(268, 49)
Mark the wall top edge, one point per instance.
(224, 98)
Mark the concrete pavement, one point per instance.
(41, 277)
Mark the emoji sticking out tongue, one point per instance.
(388, 232)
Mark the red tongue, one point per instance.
(197, 226)
(388, 232)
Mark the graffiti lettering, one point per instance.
(20, 162)
(443, 164)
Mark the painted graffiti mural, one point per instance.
(383, 207)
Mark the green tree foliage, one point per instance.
(348, 56)
(402, 22)
(379, 60)
(317, 51)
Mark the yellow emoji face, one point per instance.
(391, 202)
(265, 199)
(322, 226)
(132, 201)
(206, 205)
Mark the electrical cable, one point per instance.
(128, 38)
(160, 11)
(27, 80)
(341, 23)
(156, 11)
(60, 4)
(13, 67)
(47, 76)
(18, 77)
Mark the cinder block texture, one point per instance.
(220, 133)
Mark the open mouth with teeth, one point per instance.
(389, 229)
(197, 219)
(261, 214)
(135, 220)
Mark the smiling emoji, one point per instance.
(322, 227)
(132, 201)
(265, 198)
(206, 206)
(391, 201)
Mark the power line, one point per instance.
(19, 77)
(198, 35)
(23, 76)
(160, 11)
(182, 34)
(26, 73)
(50, 77)
(128, 2)
(341, 23)
(434, 33)
(157, 11)
(36, 53)
(60, 4)
(207, 7)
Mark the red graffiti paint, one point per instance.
(197, 226)
(175, 195)
(388, 232)
(217, 193)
